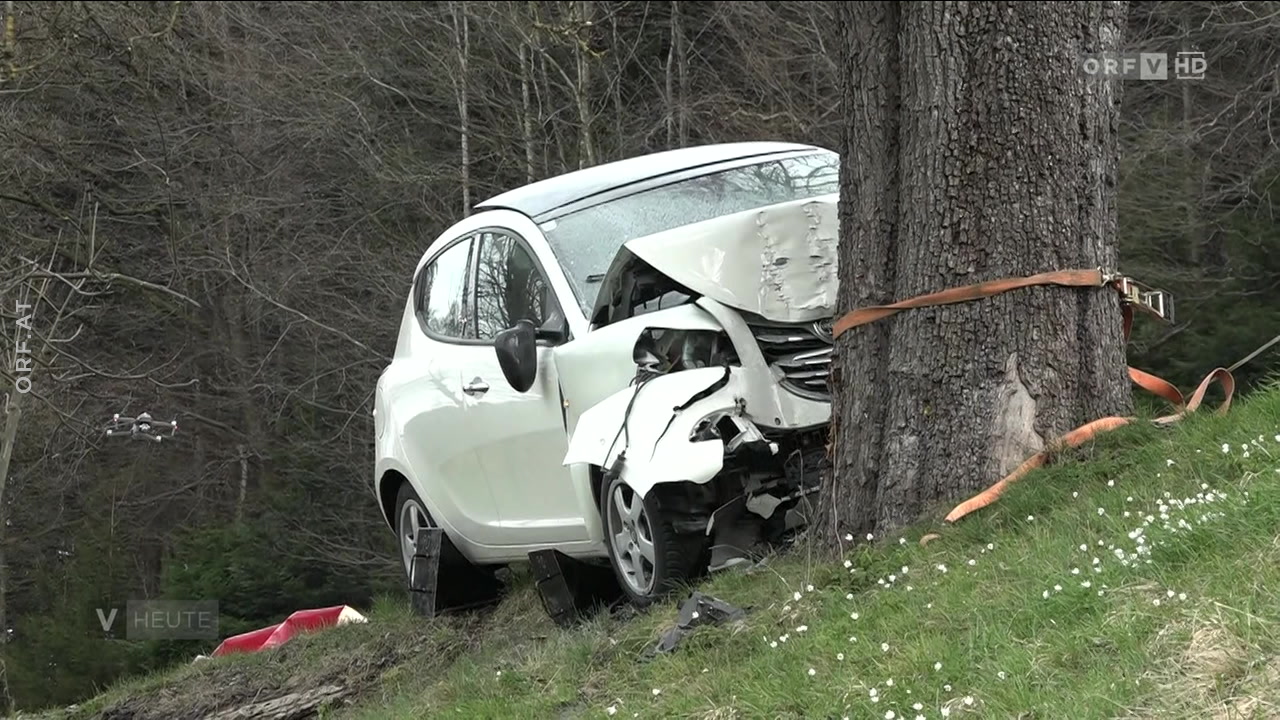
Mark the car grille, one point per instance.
(800, 354)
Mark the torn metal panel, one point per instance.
(599, 364)
(771, 404)
(698, 609)
(778, 262)
(658, 440)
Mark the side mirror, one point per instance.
(517, 349)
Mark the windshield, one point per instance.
(586, 241)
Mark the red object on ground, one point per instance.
(280, 633)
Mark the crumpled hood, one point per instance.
(777, 261)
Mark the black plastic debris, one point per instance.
(698, 609)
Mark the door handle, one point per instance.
(476, 387)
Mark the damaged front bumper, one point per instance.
(689, 435)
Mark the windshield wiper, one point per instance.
(594, 278)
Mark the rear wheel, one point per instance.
(459, 582)
(649, 557)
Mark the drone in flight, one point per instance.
(142, 427)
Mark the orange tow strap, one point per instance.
(1082, 434)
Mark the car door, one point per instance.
(523, 438)
(437, 441)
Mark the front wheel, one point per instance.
(648, 556)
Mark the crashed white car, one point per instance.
(625, 363)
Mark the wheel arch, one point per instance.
(388, 489)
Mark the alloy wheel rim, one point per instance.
(631, 538)
(413, 519)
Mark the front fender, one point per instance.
(657, 437)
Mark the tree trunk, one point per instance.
(12, 417)
(670, 75)
(682, 75)
(971, 152)
(462, 45)
(526, 115)
(582, 92)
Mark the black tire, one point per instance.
(459, 582)
(676, 558)
(449, 555)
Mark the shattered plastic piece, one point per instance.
(698, 609)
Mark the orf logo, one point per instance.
(824, 330)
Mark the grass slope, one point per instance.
(1137, 578)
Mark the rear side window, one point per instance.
(443, 294)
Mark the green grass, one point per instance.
(978, 640)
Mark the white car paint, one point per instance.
(655, 439)
(777, 261)
(593, 370)
(507, 473)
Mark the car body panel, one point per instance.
(521, 439)
(656, 439)
(600, 364)
(778, 262)
(540, 199)
(771, 405)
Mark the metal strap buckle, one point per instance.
(1146, 298)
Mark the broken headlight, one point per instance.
(666, 350)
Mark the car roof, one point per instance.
(541, 198)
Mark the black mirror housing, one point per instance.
(517, 350)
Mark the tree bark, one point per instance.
(974, 149)
(582, 91)
(462, 45)
(526, 115)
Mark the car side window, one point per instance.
(443, 301)
(510, 288)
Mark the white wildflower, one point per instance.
(657, 692)
(848, 563)
(884, 647)
(812, 672)
(840, 657)
(611, 710)
(937, 666)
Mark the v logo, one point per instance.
(108, 620)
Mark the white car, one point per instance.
(626, 363)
